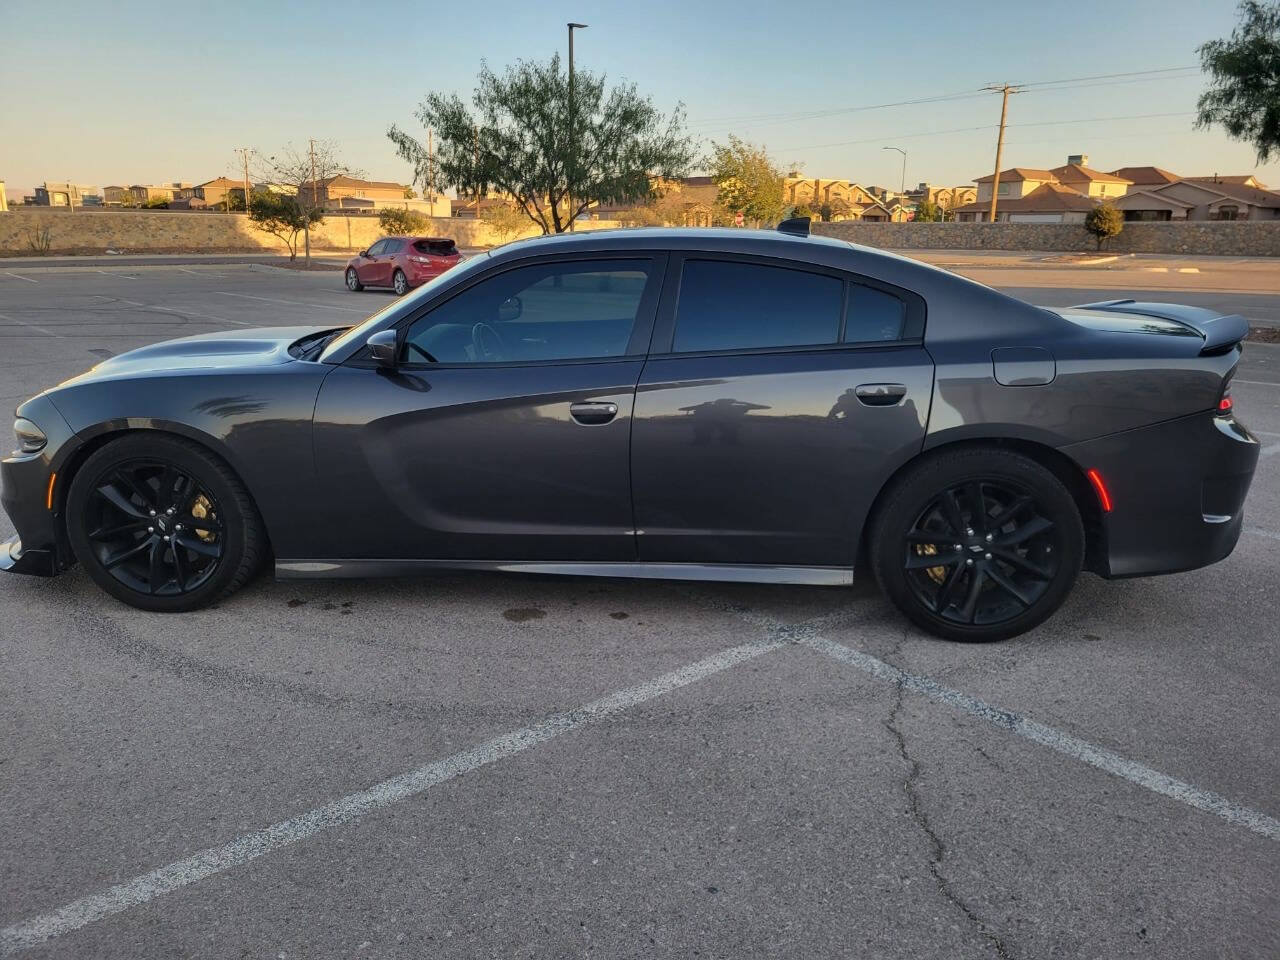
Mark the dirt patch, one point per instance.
(1264, 334)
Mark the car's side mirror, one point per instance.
(383, 347)
(510, 309)
(364, 253)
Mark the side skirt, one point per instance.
(729, 572)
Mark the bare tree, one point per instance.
(307, 171)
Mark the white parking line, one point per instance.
(121, 276)
(177, 313)
(1113, 763)
(1046, 736)
(31, 326)
(1269, 451)
(10, 273)
(148, 886)
(1257, 383)
(292, 303)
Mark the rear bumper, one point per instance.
(1177, 491)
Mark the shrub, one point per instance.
(396, 220)
(1104, 222)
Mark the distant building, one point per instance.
(948, 198)
(1048, 202)
(1243, 180)
(144, 195)
(215, 192)
(59, 194)
(1143, 178)
(338, 192)
(1196, 199)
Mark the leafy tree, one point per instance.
(305, 171)
(927, 211)
(749, 181)
(282, 216)
(505, 220)
(410, 193)
(157, 203)
(802, 210)
(518, 140)
(396, 220)
(1245, 95)
(1104, 222)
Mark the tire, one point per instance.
(162, 524)
(400, 283)
(1001, 570)
(353, 280)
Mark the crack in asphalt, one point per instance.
(937, 846)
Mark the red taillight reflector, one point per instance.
(1104, 498)
(1225, 403)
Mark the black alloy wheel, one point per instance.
(154, 528)
(981, 553)
(977, 544)
(162, 523)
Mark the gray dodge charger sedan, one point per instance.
(690, 404)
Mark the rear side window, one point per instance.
(873, 315)
(742, 306)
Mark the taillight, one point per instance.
(1226, 403)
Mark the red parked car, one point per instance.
(401, 263)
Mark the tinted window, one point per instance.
(377, 248)
(555, 311)
(738, 306)
(873, 315)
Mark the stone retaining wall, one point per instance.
(1232, 238)
(172, 231)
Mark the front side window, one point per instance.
(728, 305)
(555, 311)
(377, 248)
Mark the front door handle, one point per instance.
(591, 414)
(880, 394)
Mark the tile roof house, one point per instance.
(1091, 183)
(1199, 200)
(1048, 203)
(1144, 177)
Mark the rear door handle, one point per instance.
(880, 394)
(590, 414)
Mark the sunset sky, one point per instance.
(143, 93)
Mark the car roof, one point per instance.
(713, 239)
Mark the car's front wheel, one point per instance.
(353, 280)
(163, 524)
(401, 283)
(978, 544)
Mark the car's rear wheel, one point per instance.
(353, 280)
(400, 282)
(162, 524)
(978, 544)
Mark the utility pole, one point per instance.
(573, 144)
(1005, 89)
(431, 169)
(307, 232)
(244, 156)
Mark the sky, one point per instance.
(108, 93)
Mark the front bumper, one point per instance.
(1177, 490)
(32, 502)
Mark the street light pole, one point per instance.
(572, 152)
(902, 187)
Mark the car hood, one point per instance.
(228, 349)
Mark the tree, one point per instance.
(518, 140)
(927, 211)
(398, 220)
(1104, 222)
(749, 181)
(410, 193)
(1245, 95)
(306, 172)
(282, 216)
(802, 210)
(505, 220)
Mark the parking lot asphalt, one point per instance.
(481, 765)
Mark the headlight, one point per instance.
(31, 438)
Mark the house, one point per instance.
(843, 198)
(56, 194)
(1144, 178)
(153, 194)
(947, 198)
(1077, 175)
(1196, 199)
(1014, 182)
(1049, 202)
(343, 192)
(188, 203)
(215, 192)
(1244, 180)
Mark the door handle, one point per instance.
(591, 414)
(880, 394)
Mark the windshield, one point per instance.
(360, 332)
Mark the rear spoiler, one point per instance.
(1220, 331)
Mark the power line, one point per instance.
(1041, 86)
